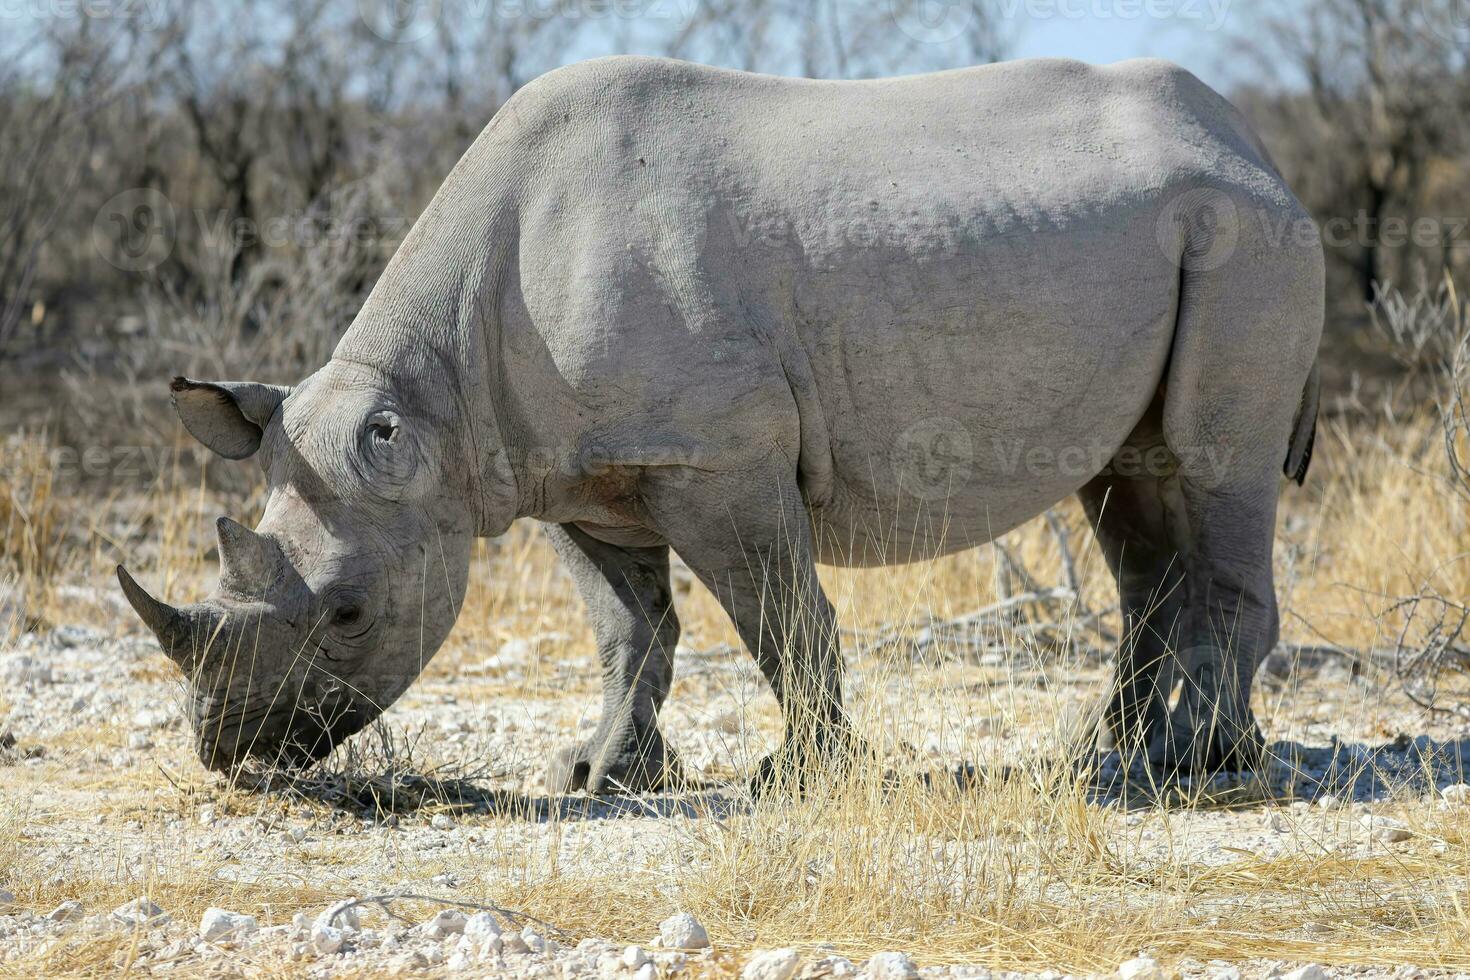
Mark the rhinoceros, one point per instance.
(769, 323)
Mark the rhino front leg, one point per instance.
(754, 552)
(626, 591)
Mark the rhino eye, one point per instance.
(382, 431)
(347, 615)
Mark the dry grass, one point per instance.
(1025, 872)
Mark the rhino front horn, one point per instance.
(166, 622)
(247, 560)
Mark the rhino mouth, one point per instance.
(288, 738)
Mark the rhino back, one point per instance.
(850, 269)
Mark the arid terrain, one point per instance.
(1016, 851)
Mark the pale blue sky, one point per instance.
(1194, 33)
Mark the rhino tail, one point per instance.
(1304, 432)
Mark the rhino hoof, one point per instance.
(1216, 749)
(634, 765)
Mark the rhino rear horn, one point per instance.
(247, 560)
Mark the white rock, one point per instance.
(831, 966)
(327, 939)
(1391, 835)
(1329, 802)
(459, 962)
(446, 923)
(1309, 972)
(646, 972)
(891, 966)
(442, 821)
(1458, 793)
(220, 924)
(206, 814)
(682, 931)
(140, 911)
(533, 940)
(512, 942)
(481, 926)
(771, 964)
(1140, 968)
(341, 915)
(634, 957)
(68, 911)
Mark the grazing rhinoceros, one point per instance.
(771, 322)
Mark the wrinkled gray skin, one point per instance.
(770, 322)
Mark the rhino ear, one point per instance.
(227, 416)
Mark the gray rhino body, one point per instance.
(767, 322)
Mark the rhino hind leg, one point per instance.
(1245, 340)
(1128, 512)
(628, 599)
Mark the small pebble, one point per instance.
(1309, 972)
(1140, 968)
(446, 923)
(442, 821)
(342, 915)
(481, 926)
(682, 931)
(140, 911)
(891, 966)
(221, 924)
(68, 911)
(771, 964)
(327, 939)
(1458, 793)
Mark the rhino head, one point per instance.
(328, 610)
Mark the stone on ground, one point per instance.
(446, 923)
(772, 964)
(1140, 968)
(682, 931)
(68, 911)
(1458, 793)
(220, 924)
(140, 911)
(1309, 972)
(891, 966)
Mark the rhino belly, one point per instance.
(969, 403)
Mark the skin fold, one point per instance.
(766, 323)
